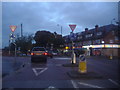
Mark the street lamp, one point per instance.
(60, 27)
(112, 20)
(103, 42)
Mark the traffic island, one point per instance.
(70, 65)
(88, 75)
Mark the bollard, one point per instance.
(82, 67)
(73, 59)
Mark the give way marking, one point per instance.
(38, 71)
(89, 85)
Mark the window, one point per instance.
(97, 41)
(111, 41)
(99, 33)
(116, 38)
(89, 35)
(80, 37)
(113, 32)
(38, 49)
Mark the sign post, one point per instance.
(12, 37)
(72, 27)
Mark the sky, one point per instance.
(37, 16)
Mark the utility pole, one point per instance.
(21, 31)
(61, 30)
(60, 27)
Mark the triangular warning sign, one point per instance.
(72, 27)
(13, 27)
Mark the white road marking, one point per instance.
(51, 87)
(38, 73)
(89, 85)
(74, 84)
(62, 58)
(114, 82)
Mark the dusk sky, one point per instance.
(46, 15)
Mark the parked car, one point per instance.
(39, 54)
(55, 53)
(49, 54)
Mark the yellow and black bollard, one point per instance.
(82, 68)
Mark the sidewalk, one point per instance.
(9, 65)
(102, 57)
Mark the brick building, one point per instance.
(103, 39)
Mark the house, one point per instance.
(104, 38)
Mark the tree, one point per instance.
(44, 38)
(25, 43)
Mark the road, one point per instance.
(54, 75)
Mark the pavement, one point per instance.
(10, 65)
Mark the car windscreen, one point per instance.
(38, 49)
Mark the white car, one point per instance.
(39, 54)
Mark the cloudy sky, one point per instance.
(46, 15)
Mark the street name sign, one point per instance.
(13, 27)
(72, 26)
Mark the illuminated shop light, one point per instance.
(102, 46)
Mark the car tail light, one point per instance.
(45, 53)
(32, 53)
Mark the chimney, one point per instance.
(96, 27)
(86, 29)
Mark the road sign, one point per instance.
(13, 27)
(82, 64)
(72, 36)
(72, 26)
(12, 36)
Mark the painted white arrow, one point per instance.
(35, 70)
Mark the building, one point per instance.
(102, 39)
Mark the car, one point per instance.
(49, 54)
(55, 53)
(39, 54)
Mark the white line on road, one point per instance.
(38, 73)
(93, 86)
(62, 58)
(74, 84)
(114, 82)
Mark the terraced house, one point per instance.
(101, 40)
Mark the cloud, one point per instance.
(46, 15)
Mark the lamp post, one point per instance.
(112, 20)
(103, 44)
(60, 28)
